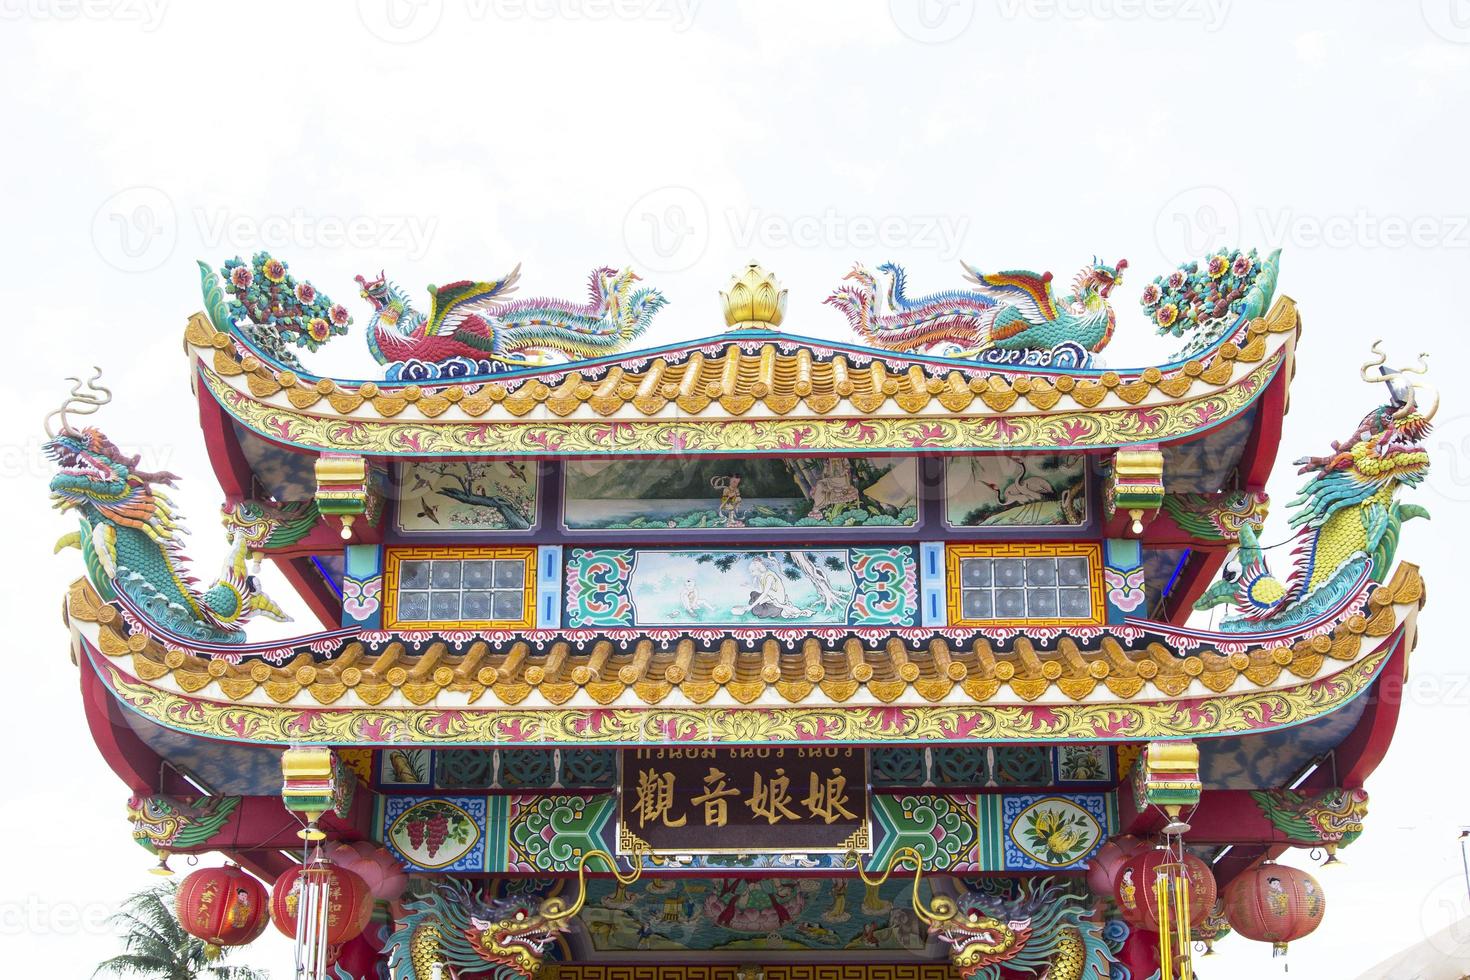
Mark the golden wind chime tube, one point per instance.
(1181, 916)
(1161, 902)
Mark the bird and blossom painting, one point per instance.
(999, 490)
(466, 495)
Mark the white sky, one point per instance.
(453, 140)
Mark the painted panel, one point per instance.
(1000, 490)
(455, 496)
(1052, 833)
(813, 917)
(436, 833)
(816, 587)
(683, 493)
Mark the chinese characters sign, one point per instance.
(804, 799)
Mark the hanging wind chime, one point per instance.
(1169, 890)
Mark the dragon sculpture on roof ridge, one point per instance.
(474, 328)
(130, 533)
(1347, 516)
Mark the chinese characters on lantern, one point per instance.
(705, 800)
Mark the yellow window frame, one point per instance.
(955, 553)
(395, 557)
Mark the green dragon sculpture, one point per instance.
(456, 932)
(162, 824)
(1347, 516)
(1045, 929)
(1333, 817)
(129, 532)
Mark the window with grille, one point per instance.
(472, 587)
(1011, 584)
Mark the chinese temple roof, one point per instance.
(757, 391)
(1136, 680)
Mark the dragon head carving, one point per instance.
(1041, 928)
(455, 931)
(91, 471)
(513, 935)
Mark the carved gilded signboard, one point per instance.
(782, 799)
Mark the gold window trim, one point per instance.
(954, 553)
(396, 556)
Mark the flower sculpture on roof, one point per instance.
(272, 308)
(1204, 301)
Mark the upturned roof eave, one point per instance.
(742, 398)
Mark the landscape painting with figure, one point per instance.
(467, 495)
(684, 493)
(741, 587)
(1034, 490)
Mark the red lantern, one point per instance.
(1102, 870)
(1134, 889)
(349, 903)
(1276, 904)
(222, 906)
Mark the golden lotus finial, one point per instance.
(755, 300)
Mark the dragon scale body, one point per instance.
(454, 933)
(1347, 518)
(129, 538)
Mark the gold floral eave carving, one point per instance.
(1232, 714)
(1073, 429)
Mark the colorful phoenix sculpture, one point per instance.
(1004, 317)
(472, 329)
(1347, 517)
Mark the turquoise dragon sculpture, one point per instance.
(472, 328)
(1043, 929)
(455, 932)
(129, 533)
(1347, 515)
(1007, 313)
